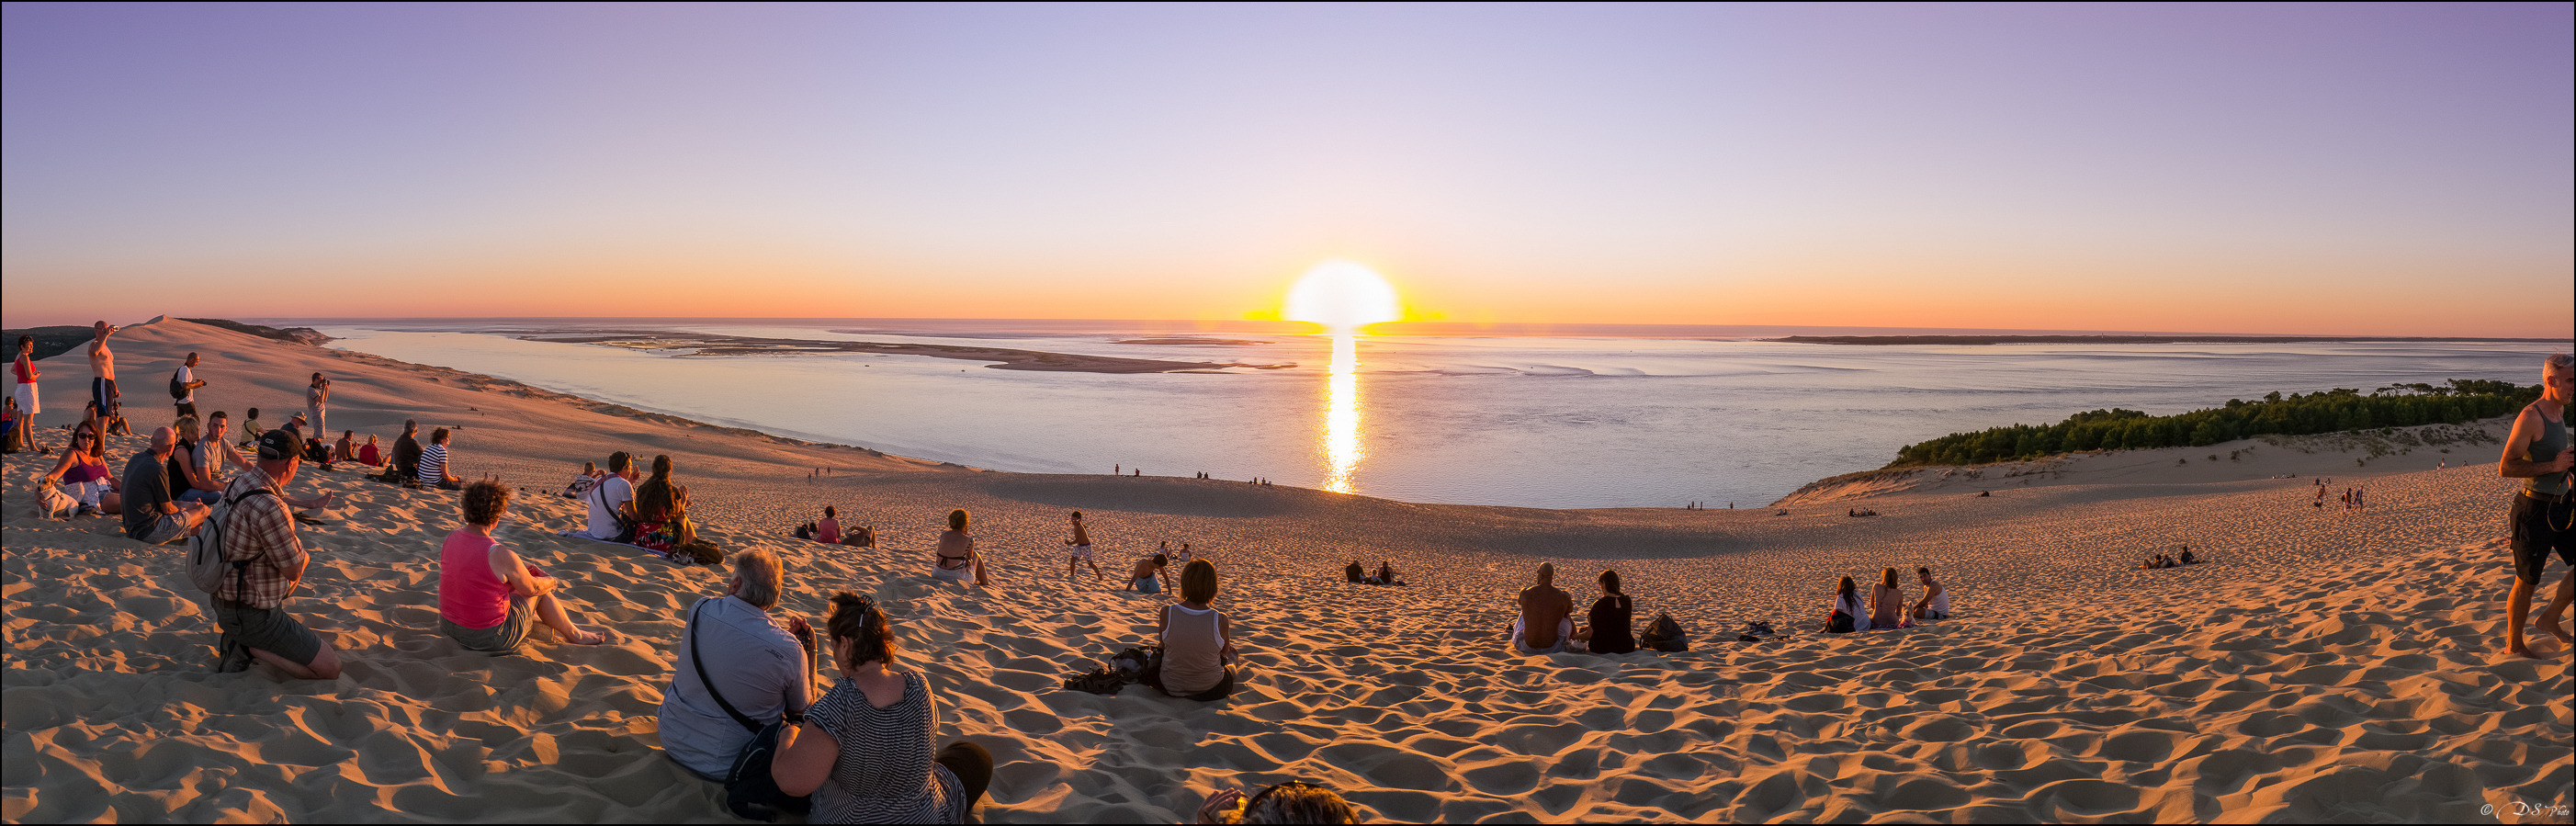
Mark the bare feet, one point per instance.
(585, 637)
(2558, 630)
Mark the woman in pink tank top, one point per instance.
(486, 595)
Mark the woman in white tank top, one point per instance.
(1198, 645)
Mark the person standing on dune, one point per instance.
(2544, 520)
(102, 369)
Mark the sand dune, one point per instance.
(2327, 666)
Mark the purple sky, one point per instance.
(2295, 168)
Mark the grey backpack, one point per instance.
(207, 566)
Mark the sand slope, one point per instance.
(2326, 667)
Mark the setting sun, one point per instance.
(1342, 296)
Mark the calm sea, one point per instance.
(1555, 422)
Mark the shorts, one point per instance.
(1936, 615)
(27, 400)
(186, 408)
(2540, 527)
(203, 497)
(103, 391)
(500, 639)
(1148, 584)
(268, 629)
(165, 530)
(1564, 635)
(1082, 552)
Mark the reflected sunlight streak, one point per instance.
(1342, 415)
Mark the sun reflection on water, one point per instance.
(1342, 415)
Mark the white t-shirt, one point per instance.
(612, 492)
(186, 375)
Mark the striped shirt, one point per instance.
(884, 772)
(433, 463)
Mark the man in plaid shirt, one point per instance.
(250, 606)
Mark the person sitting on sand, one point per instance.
(1887, 603)
(250, 606)
(189, 475)
(153, 513)
(2187, 558)
(10, 438)
(954, 557)
(582, 482)
(1847, 616)
(487, 596)
(346, 449)
(1081, 545)
(611, 504)
(368, 454)
(1355, 573)
(1935, 604)
(733, 647)
(1147, 576)
(1610, 627)
(828, 531)
(83, 474)
(863, 751)
(661, 510)
(1385, 574)
(1546, 620)
(863, 536)
(1198, 640)
(250, 429)
(406, 466)
(434, 470)
(1295, 801)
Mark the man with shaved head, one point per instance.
(102, 368)
(1547, 616)
(152, 513)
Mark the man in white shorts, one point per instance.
(1081, 544)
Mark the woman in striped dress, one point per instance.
(863, 751)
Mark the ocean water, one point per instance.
(1553, 422)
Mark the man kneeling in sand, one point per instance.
(250, 605)
(486, 594)
(1547, 616)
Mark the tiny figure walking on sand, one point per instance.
(1081, 544)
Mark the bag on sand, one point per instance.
(1664, 635)
(1101, 680)
(207, 566)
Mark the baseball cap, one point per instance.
(278, 444)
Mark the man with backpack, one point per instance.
(264, 561)
(183, 387)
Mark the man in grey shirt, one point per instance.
(760, 664)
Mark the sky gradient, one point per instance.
(2368, 170)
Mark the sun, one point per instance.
(1343, 297)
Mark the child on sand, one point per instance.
(1081, 545)
(1147, 576)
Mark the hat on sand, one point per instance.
(278, 444)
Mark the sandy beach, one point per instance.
(2326, 666)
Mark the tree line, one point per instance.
(2327, 411)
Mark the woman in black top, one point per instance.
(1610, 619)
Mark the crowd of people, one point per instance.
(1886, 607)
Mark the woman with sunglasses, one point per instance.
(83, 473)
(1296, 801)
(863, 751)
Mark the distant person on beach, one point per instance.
(346, 449)
(1198, 640)
(24, 368)
(954, 557)
(217, 455)
(1610, 626)
(1295, 801)
(186, 383)
(612, 503)
(582, 482)
(2187, 558)
(406, 467)
(434, 470)
(153, 513)
(1887, 604)
(1547, 615)
(488, 599)
(1385, 574)
(250, 605)
(1147, 576)
(739, 668)
(317, 400)
(1354, 572)
(83, 475)
(1935, 604)
(368, 454)
(250, 429)
(1847, 615)
(828, 531)
(863, 751)
(2538, 452)
(102, 370)
(1081, 545)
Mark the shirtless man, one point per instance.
(102, 368)
(2538, 453)
(1547, 616)
(1935, 603)
(1081, 544)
